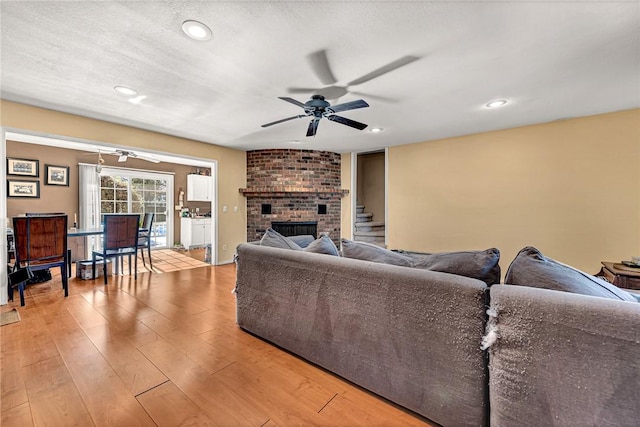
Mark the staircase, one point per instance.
(367, 230)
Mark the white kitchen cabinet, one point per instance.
(199, 188)
(195, 232)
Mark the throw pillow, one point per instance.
(369, 252)
(481, 265)
(302, 240)
(276, 240)
(531, 268)
(323, 245)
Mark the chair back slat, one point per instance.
(120, 231)
(147, 222)
(40, 238)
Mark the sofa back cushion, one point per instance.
(482, 265)
(274, 239)
(302, 240)
(531, 268)
(322, 245)
(368, 252)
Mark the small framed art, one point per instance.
(57, 175)
(23, 188)
(23, 167)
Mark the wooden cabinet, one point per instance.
(195, 232)
(199, 188)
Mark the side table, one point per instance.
(620, 275)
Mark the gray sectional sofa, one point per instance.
(445, 346)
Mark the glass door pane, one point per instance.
(124, 194)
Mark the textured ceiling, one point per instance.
(551, 60)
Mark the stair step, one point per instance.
(375, 240)
(380, 233)
(370, 224)
(364, 215)
(361, 227)
(360, 209)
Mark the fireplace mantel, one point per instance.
(286, 192)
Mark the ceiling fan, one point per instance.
(123, 155)
(317, 107)
(320, 66)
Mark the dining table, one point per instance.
(86, 232)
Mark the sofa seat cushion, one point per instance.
(531, 268)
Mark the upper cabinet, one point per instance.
(199, 188)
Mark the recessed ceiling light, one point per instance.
(295, 141)
(196, 30)
(376, 130)
(496, 103)
(127, 91)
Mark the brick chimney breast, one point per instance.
(294, 183)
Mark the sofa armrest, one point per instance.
(563, 359)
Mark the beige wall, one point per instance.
(570, 188)
(231, 163)
(345, 225)
(370, 180)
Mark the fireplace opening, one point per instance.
(293, 228)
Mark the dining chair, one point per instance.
(120, 239)
(144, 237)
(40, 244)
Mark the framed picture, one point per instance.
(23, 188)
(57, 175)
(23, 167)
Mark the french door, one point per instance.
(140, 192)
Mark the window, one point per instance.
(131, 191)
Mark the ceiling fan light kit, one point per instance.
(317, 108)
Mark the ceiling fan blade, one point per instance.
(320, 66)
(348, 122)
(375, 97)
(284, 120)
(302, 90)
(352, 105)
(384, 70)
(146, 158)
(293, 101)
(313, 127)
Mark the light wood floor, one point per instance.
(163, 350)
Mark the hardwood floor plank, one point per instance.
(53, 396)
(223, 405)
(136, 372)
(106, 397)
(18, 416)
(358, 408)
(161, 404)
(13, 392)
(104, 394)
(285, 407)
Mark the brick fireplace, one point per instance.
(296, 186)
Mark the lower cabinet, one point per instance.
(195, 232)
